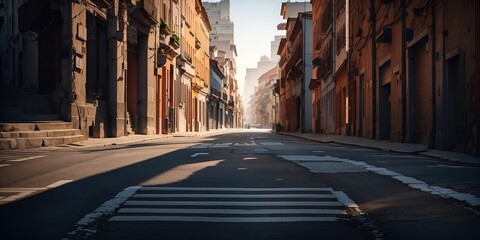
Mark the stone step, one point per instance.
(36, 126)
(29, 118)
(43, 133)
(24, 143)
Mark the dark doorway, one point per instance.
(453, 105)
(97, 59)
(419, 92)
(132, 85)
(49, 58)
(385, 106)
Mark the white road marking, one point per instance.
(203, 145)
(197, 154)
(318, 151)
(310, 211)
(83, 228)
(4, 165)
(410, 181)
(252, 143)
(271, 143)
(58, 183)
(221, 145)
(10, 190)
(222, 219)
(21, 193)
(235, 189)
(27, 158)
(223, 205)
(228, 203)
(345, 200)
(241, 196)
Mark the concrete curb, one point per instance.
(450, 159)
(468, 159)
(385, 149)
(115, 141)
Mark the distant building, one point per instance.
(274, 48)
(222, 37)
(264, 100)
(251, 80)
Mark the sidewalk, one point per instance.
(406, 148)
(103, 142)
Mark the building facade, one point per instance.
(405, 76)
(107, 68)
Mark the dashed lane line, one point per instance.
(24, 192)
(198, 154)
(26, 159)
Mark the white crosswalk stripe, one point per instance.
(231, 205)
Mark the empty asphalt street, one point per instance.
(245, 184)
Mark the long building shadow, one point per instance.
(52, 213)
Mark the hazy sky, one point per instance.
(255, 27)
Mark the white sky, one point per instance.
(255, 27)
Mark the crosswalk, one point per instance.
(231, 205)
(239, 144)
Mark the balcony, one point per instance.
(164, 28)
(146, 12)
(175, 41)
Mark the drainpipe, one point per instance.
(303, 80)
(349, 67)
(374, 69)
(434, 100)
(403, 74)
(334, 62)
(477, 50)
